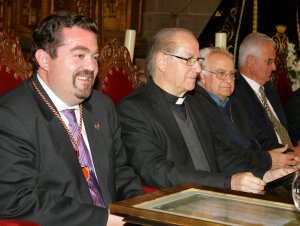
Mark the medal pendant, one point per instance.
(85, 172)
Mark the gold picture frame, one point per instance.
(194, 205)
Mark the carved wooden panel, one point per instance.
(20, 17)
(11, 56)
(119, 15)
(114, 54)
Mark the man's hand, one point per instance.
(114, 220)
(247, 182)
(274, 174)
(281, 160)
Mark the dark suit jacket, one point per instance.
(231, 155)
(155, 146)
(40, 176)
(292, 110)
(245, 94)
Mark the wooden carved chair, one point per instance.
(13, 67)
(117, 76)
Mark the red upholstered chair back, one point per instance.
(13, 67)
(16, 223)
(117, 76)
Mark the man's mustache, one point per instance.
(84, 73)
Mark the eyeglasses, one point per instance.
(222, 74)
(189, 61)
(268, 61)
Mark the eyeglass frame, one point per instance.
(232, 75)
(197, 59)
(269, 61)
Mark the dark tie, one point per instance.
(85, 159)
(279, 128)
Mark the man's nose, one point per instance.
(273, 66)
(197, 67)
(91, 64)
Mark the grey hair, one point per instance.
(251, 45)
(206, 52)
(163, 41)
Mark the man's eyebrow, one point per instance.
(80, 48)
(83, 48)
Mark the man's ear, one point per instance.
(249, 59)
(201, 78)
(161, 61)
(42, 58)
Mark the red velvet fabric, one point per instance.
(116, 84)
(16, 223)
(149, 189)
(8, 79)
(283, 87)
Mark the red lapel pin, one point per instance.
(97, 125)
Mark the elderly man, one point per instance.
(168, 142)
(231, 125)
(256, 62)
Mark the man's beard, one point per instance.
(86, 91)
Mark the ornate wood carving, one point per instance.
(29, 13)
(114, 53)
(119, 15)
(20, 17)
(6, 15)
(280, 78)
(281, 41)
(11, 55)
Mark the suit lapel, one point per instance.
(164, 114)
(203, 131)
(250, 91)
(63, 144)
(251, 96)
(275, 102)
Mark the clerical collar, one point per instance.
(218, 101)
(171, 98)
(180, 100)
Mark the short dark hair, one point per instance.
(48, 35)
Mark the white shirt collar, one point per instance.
(59, 104)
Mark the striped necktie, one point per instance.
(279, 128)
(85, 159)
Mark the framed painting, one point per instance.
(193, 204)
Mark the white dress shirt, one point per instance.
(60, 106)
